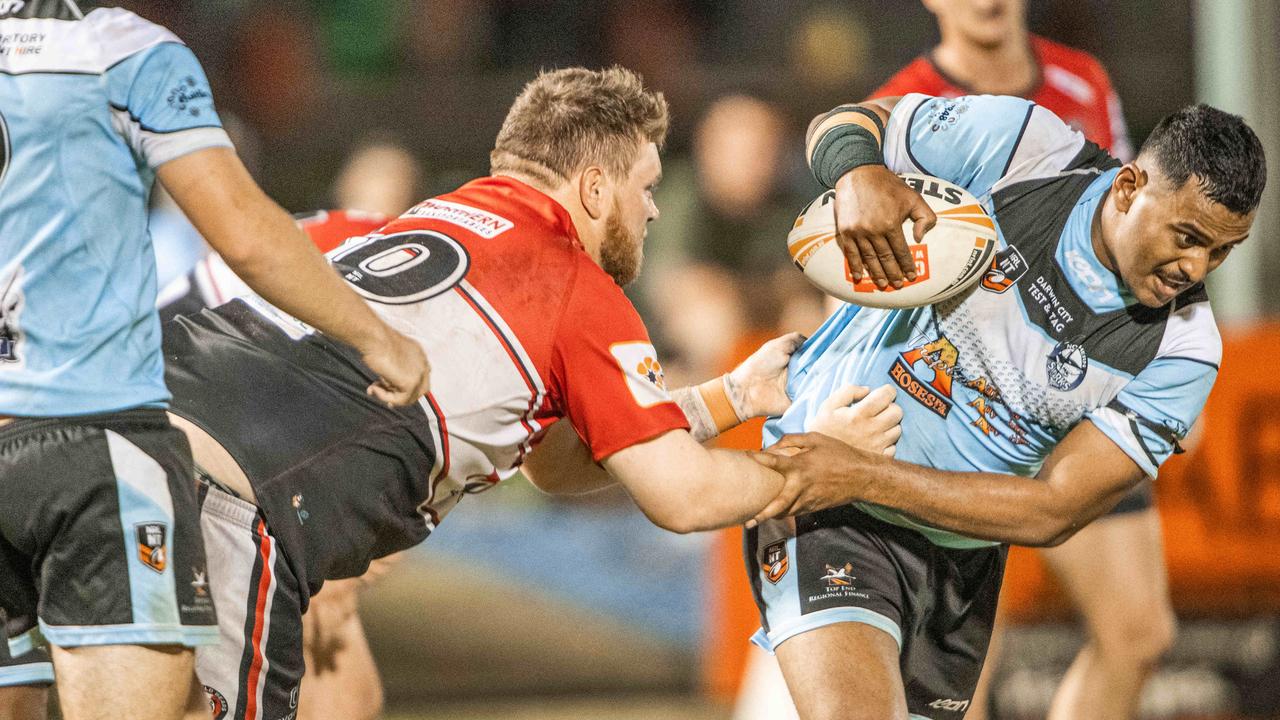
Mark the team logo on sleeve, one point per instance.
(1007, 268)
(642, 372)
(190, 96)
(775, 563)
(151, 545)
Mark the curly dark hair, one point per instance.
(1216, 148)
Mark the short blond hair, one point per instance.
(570, 119)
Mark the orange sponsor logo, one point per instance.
(919, 253)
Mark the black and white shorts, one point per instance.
(99, 537)
(24, 660)
(256, 668)
(842, 565)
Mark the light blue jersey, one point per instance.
(992, 380)
(89, 108)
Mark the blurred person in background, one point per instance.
(1114, 570)
(381, 176)
(82, 391)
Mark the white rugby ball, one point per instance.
(950, 258)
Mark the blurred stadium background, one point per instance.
(522, 606)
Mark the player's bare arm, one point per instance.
(263, 246)
(561, 463)
(1084, 476)
(843, 147)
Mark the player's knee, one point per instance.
(1144, 640)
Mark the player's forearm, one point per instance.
(684, 487)
(728, 492)
(712, 407)
(261, 243)
(833, 135)
(989, 506)
(293, 276)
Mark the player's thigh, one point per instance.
(847, 670)
(256, 667)
(1114, 570)
(25, 675)
(106, 682)
(24, 702)
(99, 526)
(342, 679)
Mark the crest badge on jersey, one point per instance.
(1066, 366)
(1007, 268)
(639, 364)
(151, 544)
(775, 563)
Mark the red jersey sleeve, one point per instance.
(605, 374)
(918, 76)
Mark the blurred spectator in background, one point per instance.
(380, 176)
(1113, 570)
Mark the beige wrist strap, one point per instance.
(715, 394)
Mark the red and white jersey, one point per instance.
(1072, 84)
(213, 282)
(521, 328)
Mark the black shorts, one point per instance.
(338, 475)
(842, 565)
(99, 536)
(23, 660)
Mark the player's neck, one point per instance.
(1006, 69)
(1102, 218)
(565, 194)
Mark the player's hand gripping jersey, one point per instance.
(522, 328)
(88, 109)
(993, 379)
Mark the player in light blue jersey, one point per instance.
(1032, 403)
(100, 548)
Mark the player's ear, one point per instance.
(1128, 182)
(592, 185)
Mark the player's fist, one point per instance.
(403, 372)
(871, 205)
(758, 387)
(866, 419)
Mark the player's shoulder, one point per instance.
(120, 34)
(1191, 333)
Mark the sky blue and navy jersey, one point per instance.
(89, 108)
(993, 379)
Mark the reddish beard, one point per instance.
(621, 252)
